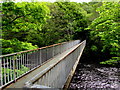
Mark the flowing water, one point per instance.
(95, 76)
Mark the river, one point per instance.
(96, 76)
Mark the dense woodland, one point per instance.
(29, 25)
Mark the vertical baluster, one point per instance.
(22, 62)
(4, 71)
(25, 64)
(37, 58)
(8, 70)
(11, 69)
(45, 54)
(23, 59)
(16, 64)
(32, 58)
(29, 57)
(14, 67)
(27, 61)
(50, 52)
(19, 61)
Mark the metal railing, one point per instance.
(56, 74)
(13, 66)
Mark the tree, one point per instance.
(67, 20)
(20, 20)
(105, 30)
(14, 45)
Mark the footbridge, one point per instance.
(47, 67)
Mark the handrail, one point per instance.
(33, 49)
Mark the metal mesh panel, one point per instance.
(49, 52)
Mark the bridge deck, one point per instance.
(35, 74)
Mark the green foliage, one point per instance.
(21, 18)
(67, 20)
(22, 24)
(106, 29)
(94, 48)
(90, 9)
(14, 45)
(40, 23)
(26, 25)
(10, 72)
(113, 61)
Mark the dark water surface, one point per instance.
(91, 76)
